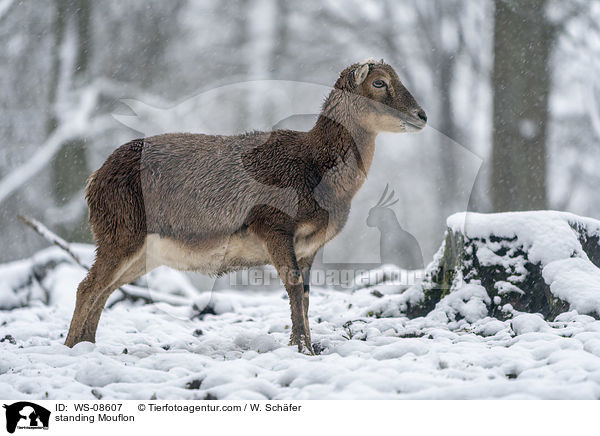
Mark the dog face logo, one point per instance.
(26, 415)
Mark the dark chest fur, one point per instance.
(325, 183)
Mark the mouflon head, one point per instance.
(378, 100)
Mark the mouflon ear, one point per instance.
(360, 74)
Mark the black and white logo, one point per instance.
(26, 415)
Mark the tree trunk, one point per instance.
(523, 40)
(69, 167)
(449, 167)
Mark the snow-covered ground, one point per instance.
(238, 349)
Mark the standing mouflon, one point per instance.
(216, 204)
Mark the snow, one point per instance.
(241, 351)
(576, 281)
(532, 230)
(506, 288)
(528, 323)
(550, 239)
(469, 301)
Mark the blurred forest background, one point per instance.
(513, 83)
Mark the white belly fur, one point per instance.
(212, 257)
(235, 252)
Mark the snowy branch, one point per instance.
(51, 237)
(79, 124)
(75, 123)
(130, 291)
(5, 7)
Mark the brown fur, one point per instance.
(220, 203)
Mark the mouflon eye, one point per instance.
(379, 84)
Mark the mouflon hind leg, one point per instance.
(89, 290)
(106, 275)
(291, 275)
(305, 265)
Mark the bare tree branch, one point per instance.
(130, 291)
(76, 123)
(5, 6)
(51, 237)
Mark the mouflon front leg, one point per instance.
(279, 243)
(281, 251)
